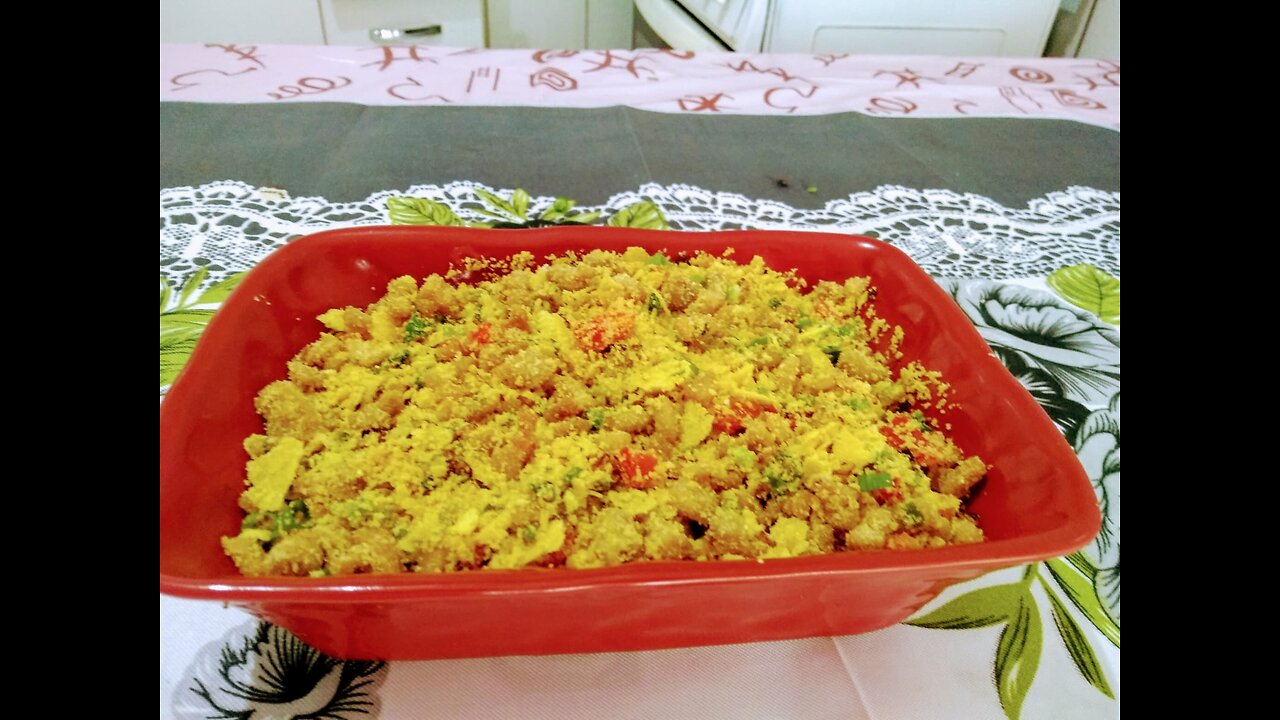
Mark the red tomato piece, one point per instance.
(739, 410)
(891, 438)
(726, 424)
(635, 467)
(889, 496)
(604, 330)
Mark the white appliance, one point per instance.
(907, 27)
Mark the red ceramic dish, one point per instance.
(1037, 502)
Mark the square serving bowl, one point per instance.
(1037, 502)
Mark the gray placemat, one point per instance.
(345, 152)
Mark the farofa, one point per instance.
(597, 410)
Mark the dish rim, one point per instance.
(1082, 515)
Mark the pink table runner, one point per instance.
(658, 80)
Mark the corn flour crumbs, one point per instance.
(599, 409)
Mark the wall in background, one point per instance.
(1102, 39)
(1086, 28)
(241, 21)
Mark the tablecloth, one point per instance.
(1014, 209)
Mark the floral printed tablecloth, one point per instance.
(1040, 281)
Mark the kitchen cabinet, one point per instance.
(567, 24)
(241, 21)
(455, 23)
(561, 24)
(1102, 38)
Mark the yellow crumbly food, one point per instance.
(596, 410)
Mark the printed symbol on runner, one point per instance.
(482, 74)
(1109, 77)
(1031, 75)
(748, 66)
(829, 58)
(963, 69)
(554, 78)
(181, 82)
(891, 106)
(1070, 98)
(962, 104)
(244, 53)
(702, 103)
(806, 89)
(397, 92)
(1020, 99)
(540, 56)
(768, 96)
(412, 53)
(609, 61)
(309, 86)
(907, 76)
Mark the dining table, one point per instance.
(1000, 177)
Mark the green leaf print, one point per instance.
(980, 608)
(1018, 657)
(1087, 287)
(182, 322)
(173, 356)
(1080, 591)
(583, 218)
(559, 209)
(190, 286)
(520, 203)
(558, 213)
(1081, 563)
(420, 211)
(643, 214)
(165, 293)
(219, 291)
(1021, 639)
(514, 213)
(502, 206)
(1077, 645)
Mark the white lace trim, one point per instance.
(228, 226)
